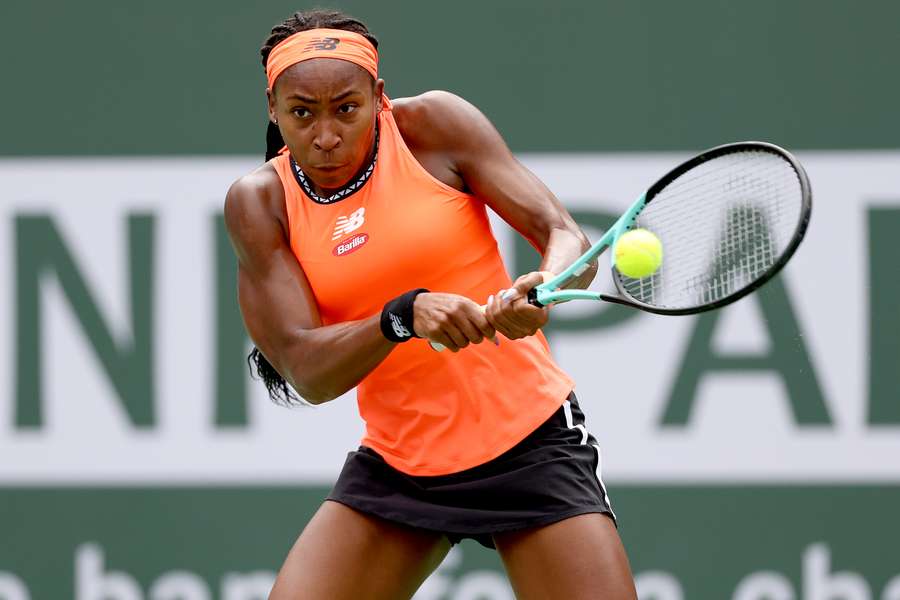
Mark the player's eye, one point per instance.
(347, 108)
(302, 112)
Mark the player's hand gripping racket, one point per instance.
(729, 219)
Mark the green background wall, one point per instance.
(712, 537)
(183, 78)
(168, 77)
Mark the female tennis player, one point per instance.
(361, 240)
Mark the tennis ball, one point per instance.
(638, 253)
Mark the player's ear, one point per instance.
(274, 141)
(270, 99)
(379, 94)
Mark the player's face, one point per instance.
(326, 110)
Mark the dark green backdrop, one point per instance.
(710, 538)
(157, 78)
(167, 77)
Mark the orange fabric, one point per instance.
(426, 412)
(321, 43)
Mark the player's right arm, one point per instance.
(280, 311)
(278, 306)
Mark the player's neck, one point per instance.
(330, 195)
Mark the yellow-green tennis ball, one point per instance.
(638, 254)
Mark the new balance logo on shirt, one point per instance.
(345, 225)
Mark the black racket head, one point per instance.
(729, 219)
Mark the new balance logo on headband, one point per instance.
(322, 44)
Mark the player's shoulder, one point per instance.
(260, 182)
(432, 104)
(254, 199)
(436, 119)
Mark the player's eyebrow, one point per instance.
(308, 100)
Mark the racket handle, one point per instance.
(533, 299)
(439, 347)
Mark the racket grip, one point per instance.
(532, 298)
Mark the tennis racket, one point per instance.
(729, 219)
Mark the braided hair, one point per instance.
(279, 390)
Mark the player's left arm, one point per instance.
(477, 153)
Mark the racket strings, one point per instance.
(723, 225)
(746, 254)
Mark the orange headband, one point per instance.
(321, 43)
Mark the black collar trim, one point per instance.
(344, 192)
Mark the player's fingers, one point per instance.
(493, 309)
(487, 330)
(479, 320)
(526, 312)
(530, 318)
(527, 282)
(519, 318)
(438, 336)
(490, 311)
(465, 324)
(501, 319)
(460, 340)
(508, 296)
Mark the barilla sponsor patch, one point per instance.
(351, 245)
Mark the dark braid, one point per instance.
(279, 390)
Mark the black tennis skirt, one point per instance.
(552, 474)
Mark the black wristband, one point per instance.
(397, 317)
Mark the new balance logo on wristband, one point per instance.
(397, 326)
(396, 314)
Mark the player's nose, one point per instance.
(326, 139)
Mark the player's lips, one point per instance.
(328, 168)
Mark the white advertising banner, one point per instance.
(112, 370)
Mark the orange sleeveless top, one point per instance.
(426, 412)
